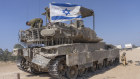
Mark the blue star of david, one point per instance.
(66, 11)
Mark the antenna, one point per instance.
(93, 21)
(38, 7)
(27, 10)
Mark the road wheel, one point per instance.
(34, 71)
(110, 63)
(116, 61)
(105, 63)
(82, 71)
(100, 66)
(72, 72)
(94, 67)
(58, 68)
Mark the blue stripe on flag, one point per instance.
(64, 4)
(64, 17)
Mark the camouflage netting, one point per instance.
(85, 12)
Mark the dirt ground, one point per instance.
(9, 71)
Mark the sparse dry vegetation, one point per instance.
(5, 55)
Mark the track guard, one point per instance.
(41, 61)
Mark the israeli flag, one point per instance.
(64, 12)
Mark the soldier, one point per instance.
(35, 23)
(47, 14)
(123, 59)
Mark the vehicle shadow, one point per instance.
(43, 74)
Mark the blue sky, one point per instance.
(117, 21)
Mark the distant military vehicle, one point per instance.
(64, 50)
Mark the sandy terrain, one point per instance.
(9, 70)
(132, 54)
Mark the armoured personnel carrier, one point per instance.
(66, 51)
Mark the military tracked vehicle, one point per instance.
(66, 51)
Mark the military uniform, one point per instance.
(123, 59)
(47, 14)
(36, 23)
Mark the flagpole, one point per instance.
(93, 22)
